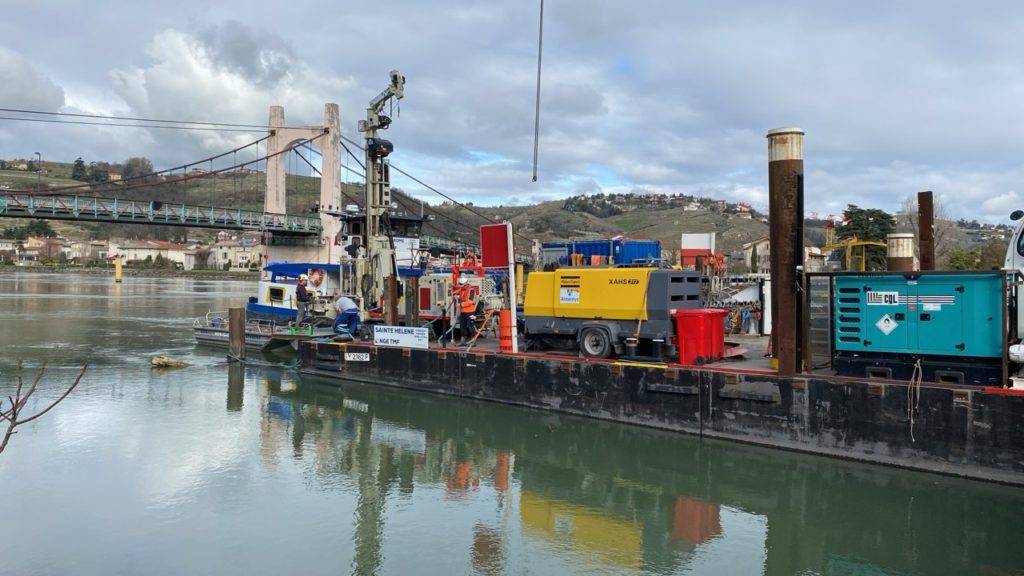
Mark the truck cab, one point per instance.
(1015, 262)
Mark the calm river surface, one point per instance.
(211, 470)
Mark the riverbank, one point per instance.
(136, 272)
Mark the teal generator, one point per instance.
(952, 324)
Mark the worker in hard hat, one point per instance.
(303, 299)
(465, 302)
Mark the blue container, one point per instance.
(635, 251)
(622, 251)
(944, 314)
(594, 248)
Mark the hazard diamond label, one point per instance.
(886, 324)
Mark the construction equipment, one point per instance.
(938, 326)
(379, 261)
(607, 310)
(855, 253)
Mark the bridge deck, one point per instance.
(96, 209)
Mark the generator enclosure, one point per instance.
(954, 323)
(631, 301)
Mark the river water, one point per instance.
(254, 470)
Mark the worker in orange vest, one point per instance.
(465, 301)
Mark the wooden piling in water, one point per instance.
(236, 334)
(117, 269)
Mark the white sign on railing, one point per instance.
(401, 336)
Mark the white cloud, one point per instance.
(224, 74)
(1000, 206)
(895, 98)
(23, 86)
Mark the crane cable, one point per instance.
(536, 111)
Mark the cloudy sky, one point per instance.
(637, 96)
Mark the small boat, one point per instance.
(213, 329)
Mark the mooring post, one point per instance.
(786, 236)
(391, 301)
(236, 334)
(412, 299)
(117, 268)
(926, 229)
(236, 386)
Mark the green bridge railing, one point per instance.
(96, 209)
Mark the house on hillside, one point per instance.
(814, 259)
(138, 251)
(235, 254)
(86, 251)
(757, 255)
(43, 247)
(9, 250)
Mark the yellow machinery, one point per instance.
(601, 308)
(608, 293)
(855, 253)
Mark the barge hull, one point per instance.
(959, 431)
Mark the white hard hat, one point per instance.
(462, 280)
(303, 277)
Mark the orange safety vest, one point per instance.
(467, 302)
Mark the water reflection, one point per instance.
(591, 497)
(230, 469)
(570, 505)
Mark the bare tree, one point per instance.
(947, 234)
(13, 414)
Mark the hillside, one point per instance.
(646, 216)
(652, 216)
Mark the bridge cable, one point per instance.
(99, 116)
(120, 125)
(186, 178)
(158, 172)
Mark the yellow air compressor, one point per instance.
(598, 309)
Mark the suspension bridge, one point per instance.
(309, 236)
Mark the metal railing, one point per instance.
(96, 209)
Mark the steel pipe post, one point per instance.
(785, 221)
(926, 229)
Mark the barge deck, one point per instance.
(961, 431)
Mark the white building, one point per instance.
(761, 247)
(82, 251)
(240, 254)
(137, 251)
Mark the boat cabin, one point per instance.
(275, 299)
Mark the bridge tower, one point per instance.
(329, 145)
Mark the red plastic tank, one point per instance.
(701, 335)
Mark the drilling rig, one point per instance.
(377, 270)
